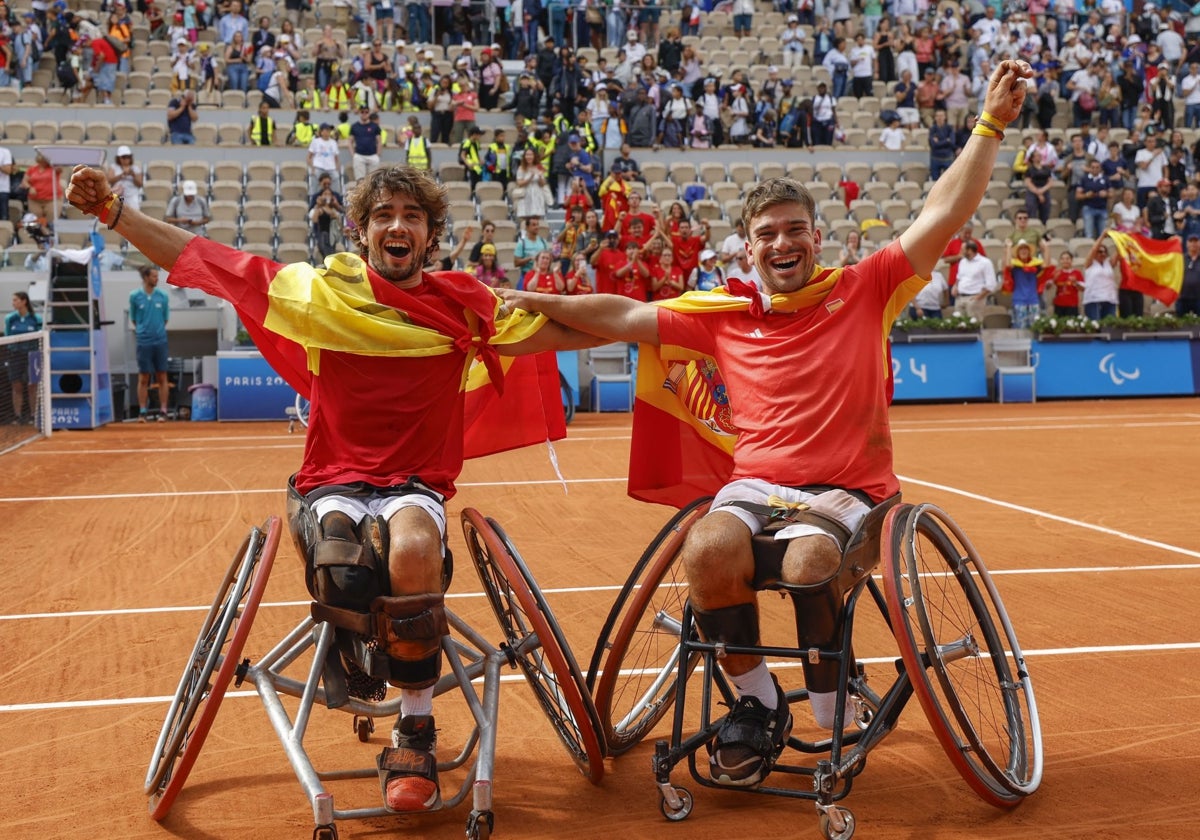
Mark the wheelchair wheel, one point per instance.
(199, 691)
(635, 685)
(949, 620)
(534, 642)
(302, 410)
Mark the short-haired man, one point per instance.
(149, 310)
(364, 141)
(370, 493)
(804, 368)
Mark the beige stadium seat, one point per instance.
(771, 169)
(260, 171)
(802, 171)
(9, 97)
(830, 173)
(125, 133)
(205, 133)
(654, 171)
(291, 252)
(682, 173)
(712, 173)
(224, 232)
(226, 191)
(742, 173)
(230, 134)
(17, 132)
(225, 211)
(153, 134)
(33, 96)
(197, 171)
(44, 131)
(293, 211)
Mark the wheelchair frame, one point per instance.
(1002, 766)
(533, 642)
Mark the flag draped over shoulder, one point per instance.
(1150, 266)
(1034, 266)
(683, 428)
(508, 402)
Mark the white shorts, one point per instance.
(379, 504)
(836, 504)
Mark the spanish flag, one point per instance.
(508, 401)
(684, 431)
(1034, 266)
(1151, 266)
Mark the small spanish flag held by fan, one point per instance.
(1151, 266)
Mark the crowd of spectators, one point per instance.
(589, 83)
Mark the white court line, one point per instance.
(1112, 532)
(881, 660)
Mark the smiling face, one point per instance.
(783, 245)
(397, 238)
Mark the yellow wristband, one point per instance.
(983, 131)
(998, 123)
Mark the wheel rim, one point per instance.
(234, 609)
(945, 613)
(636, 686)
(535, 642)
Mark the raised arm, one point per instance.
(958, 192)
(158, 241)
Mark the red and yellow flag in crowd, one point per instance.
(1151, 266)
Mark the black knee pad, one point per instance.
(736, 625)
(410, 629)
(347, 566)
(820, 617)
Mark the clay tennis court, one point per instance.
(116, 539)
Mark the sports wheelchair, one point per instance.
(533, 643)
(958, 655)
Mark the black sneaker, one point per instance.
(409, 767)
(750, 739)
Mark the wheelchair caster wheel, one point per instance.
(684, 809)
(364, 727)
(325, 832)
(479, 825)
(837, 824)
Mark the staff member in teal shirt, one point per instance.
(16, 357)
(149, 310)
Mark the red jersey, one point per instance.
(353, 434)
(1066, 286)
(817, 415)
(539, 282)
(582, 285)
(615, 201)
(635, 285)
(582, 200)
(673, 285)
(686, 252)
(648, 228)
(607, 262)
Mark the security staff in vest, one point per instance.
(498, 158)
(303, 131)
(416, 148)
(468, 156)
(262, 127)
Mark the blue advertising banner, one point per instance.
(1113, 369)
(941, 370)
(248, 389)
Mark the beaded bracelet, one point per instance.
(120, 206)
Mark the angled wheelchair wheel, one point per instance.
(635, 681)
(962, 655)
(535, 643)
(568, 398)
(302, 410)
(200, 691)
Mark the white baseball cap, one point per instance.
(124, 151)
(189, 188)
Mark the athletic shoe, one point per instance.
(749, 740)
(411, 765)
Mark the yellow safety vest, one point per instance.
(585, 134)
(304, 133)
(470, 152)
(560, 124)
(343, 130)
(256, 131)
(499, 149)
(417, 152)
(310, 99)
(338, 97)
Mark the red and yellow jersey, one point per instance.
(797, 395)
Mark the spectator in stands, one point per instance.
(1068, 283)
(929, 301)
(149, 311)
(7, 168)
(326, 52)
(232, 22)
(863, 66)
(325, 210)
(1021, 279)
(853, 251)
(1188, 302)
(578, 280)
(792, 42)
(545, 276)
(487, 270)
(44, 189)
(955, 90)
(893, 137)
(641, 122)
(189, 210)
(529, 244)
(1100, 282)
(532, 180)
(1038, 180)
(261, 131)
(954, 253)
(125, 178)
(1091, 194)
(976, 281)
(1158, 216)
(323, 154)
(838, 65)
(707, 275)
(364, 142)
(181, 113)
(16, 362)
(237, 66)
(942, 145)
